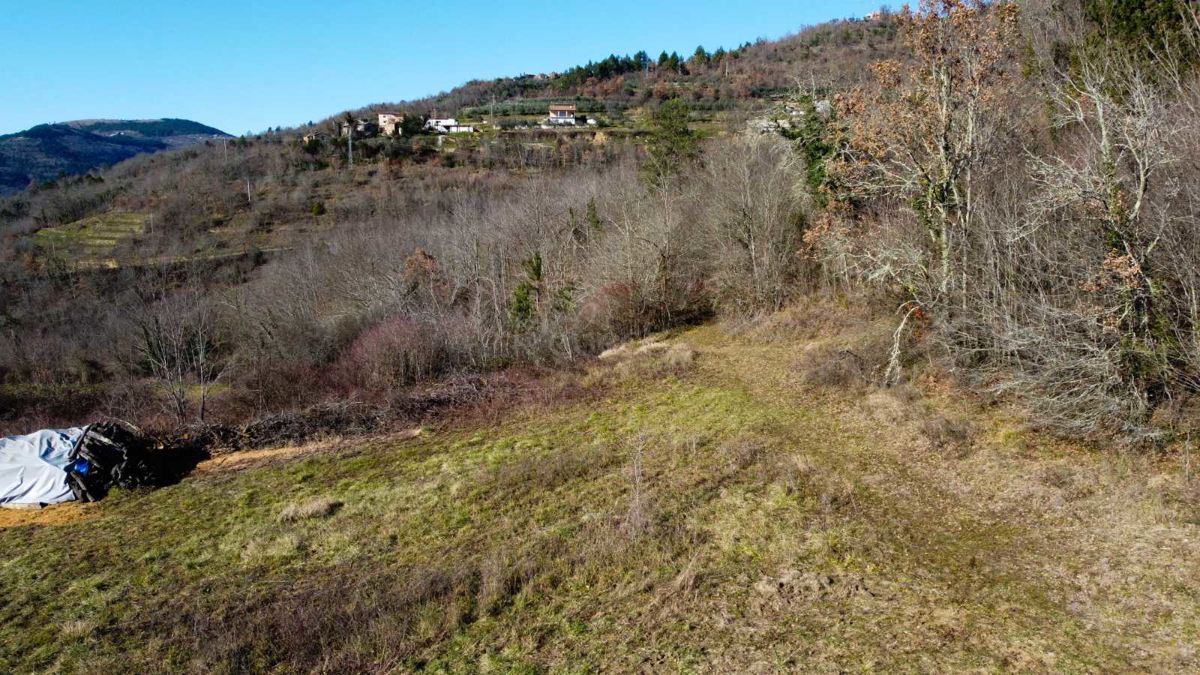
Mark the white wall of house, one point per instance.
(448, 126)
(562, 117)
(435, 123)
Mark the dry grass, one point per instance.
(948, 434)
(818, 318)
(654, 347)
(60, 514)
(265, 550)
(77, 629)
(680, 356)
(244, 459)
(831, 366)
(318, 508)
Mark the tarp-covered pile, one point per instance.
(51, 467)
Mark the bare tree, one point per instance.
(1109, 345)
(754, 222)
(178, 340)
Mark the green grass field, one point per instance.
(702, 509)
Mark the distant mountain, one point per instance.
(71, 148)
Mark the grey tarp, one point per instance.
(33, 468)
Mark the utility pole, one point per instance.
(350, 145)
(1187, 462)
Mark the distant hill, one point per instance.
(834, 55)
(174, 132)
(47, 150)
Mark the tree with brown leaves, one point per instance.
(923, 134)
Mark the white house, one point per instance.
(448, 125)
(437, 124)
(562, 114)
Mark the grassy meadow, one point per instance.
(707, 505)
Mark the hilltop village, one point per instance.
(395, 124)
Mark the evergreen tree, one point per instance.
(1143, 27)
(527, 297)
(672, 142)
(521, 309)
(593, 215)
(412, 125)
(674, 62)
(814, 139)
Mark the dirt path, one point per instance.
(1040, 556)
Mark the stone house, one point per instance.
(363, 128)
(389, 123)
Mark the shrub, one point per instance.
(395, 353)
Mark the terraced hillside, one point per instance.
(92, 241)
(698, 503)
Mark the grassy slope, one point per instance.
(720, 515)
(98, 241)
(92, 240)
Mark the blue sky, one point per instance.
(245, 66)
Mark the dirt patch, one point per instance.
(59, 514)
